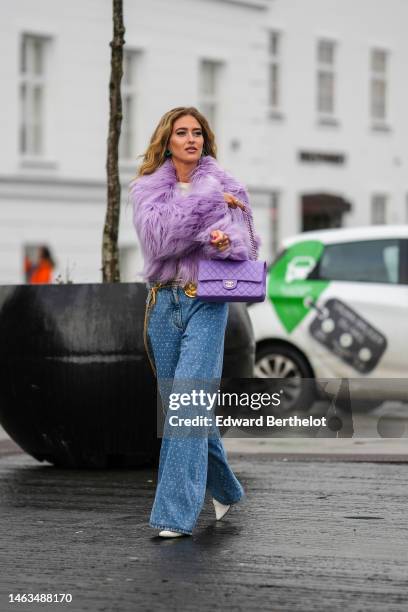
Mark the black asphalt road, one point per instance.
(313, 535)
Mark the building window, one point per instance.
(379, 61)
(379, 209)
(32, 94)
(274, 71)
(209, 83)
(130, 98)
(326, 78)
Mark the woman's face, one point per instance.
(186, 140)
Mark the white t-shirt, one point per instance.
(184, 187)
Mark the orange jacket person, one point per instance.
(42, 272)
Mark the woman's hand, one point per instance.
(220, 240)
(232, 201)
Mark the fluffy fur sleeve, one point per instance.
(233, 224)
(168, 222)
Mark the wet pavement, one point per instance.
(310, 535)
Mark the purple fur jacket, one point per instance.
(174, 228)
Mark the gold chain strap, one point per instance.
(190, 289)
(150, 300)
(250, 225)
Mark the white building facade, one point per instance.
(307, 99)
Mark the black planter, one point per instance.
(76, 387)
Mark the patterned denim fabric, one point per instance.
(186, 336)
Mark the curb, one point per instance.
(321, 457)
(8, 447)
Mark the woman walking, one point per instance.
(186, 208)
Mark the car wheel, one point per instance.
(280, 361)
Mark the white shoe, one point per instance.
(166, 533)
(220, 509)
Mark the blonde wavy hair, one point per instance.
(155, 154)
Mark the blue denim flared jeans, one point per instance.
(186, 336)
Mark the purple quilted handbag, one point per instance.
(231, 280)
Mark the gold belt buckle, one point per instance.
(190, 289)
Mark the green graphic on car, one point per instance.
(288, 285)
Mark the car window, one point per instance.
(369, 261)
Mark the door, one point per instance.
(365, 309)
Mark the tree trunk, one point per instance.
(110, 251)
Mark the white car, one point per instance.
(337, 307)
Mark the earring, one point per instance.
(203, 153)
(168, 153)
